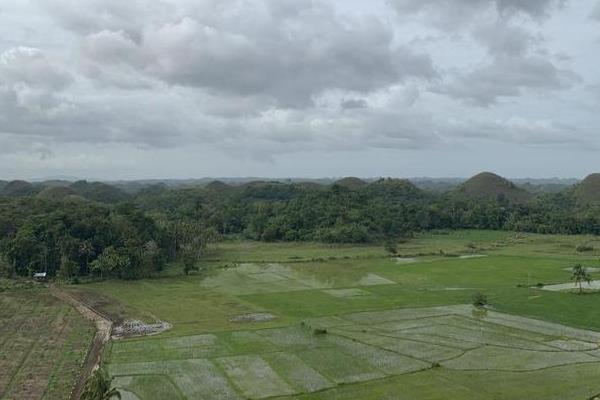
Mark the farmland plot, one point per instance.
(43, 343)
(356, 349)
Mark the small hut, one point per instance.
(40, 276)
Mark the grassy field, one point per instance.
(355, 323)
(43, 343)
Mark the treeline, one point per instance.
(369, 213)
(73, 238)
(70, 236)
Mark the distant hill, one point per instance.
(56, 192)
(588, 191)
(100, 192)
(310, 185)
(19, 188)
(491, 186)
(438, 185)
(399, 189)
(217, 186)
(351, 183)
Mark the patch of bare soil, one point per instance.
(103, 330)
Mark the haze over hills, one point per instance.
(484, 184)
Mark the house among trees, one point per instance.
(40, 276)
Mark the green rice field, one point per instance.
(311, 321)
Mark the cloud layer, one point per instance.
(258, 79)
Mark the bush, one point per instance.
(391, 246)
(6, 268)
(480, 300)
(584, 247)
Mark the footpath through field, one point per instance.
(103, 331)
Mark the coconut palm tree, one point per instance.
(99, 387)
(580, 275)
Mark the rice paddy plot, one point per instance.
(592, 285)
(322, 354)
(503, 359)
(247, 371)
(43, 343)
(247, 279)
(347, 293)
(390, 362)
(339, 367)
(304, 378)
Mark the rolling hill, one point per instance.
(19, 188)
(100, 192)
(351, 183)
(56, 192)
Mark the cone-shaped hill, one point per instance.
(491, 186)
(588, 191)
(19, 188)
(399, 188)
(351, 183)
(98, 191)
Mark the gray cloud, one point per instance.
(271, 54)
(92, 16)
(244, 81)
(457, 14)
(350, 104)
(31, 87)
(501, 38)
(596, 12)
(507, 76)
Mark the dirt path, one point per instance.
(103, 331)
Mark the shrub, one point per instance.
(584, 247)
(391, 246)
(480, 300)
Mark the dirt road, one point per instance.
(103, 331)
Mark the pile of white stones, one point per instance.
(140, 328)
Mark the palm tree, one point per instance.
(580, 275)
(98, 387)
(86, 250)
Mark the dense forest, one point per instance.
(95, 229)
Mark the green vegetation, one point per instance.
(84, 229)
(43, 343)
(580, 275)
(363, 324)
(99, 387)
(352, 290)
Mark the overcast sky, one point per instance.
(130, 89)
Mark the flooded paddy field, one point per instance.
(364, 326)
